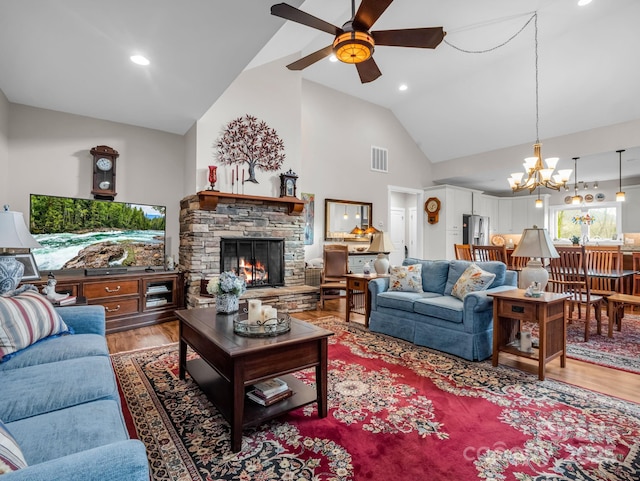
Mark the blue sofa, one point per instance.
(59, 400)
(436, 319)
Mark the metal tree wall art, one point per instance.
(251, 141)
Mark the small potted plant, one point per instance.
(227, 288)
(575, 240)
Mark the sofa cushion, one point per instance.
(26, 318)
(457, 268)
(447, 308)
(53, 349)
(406, 278)
(71, 430)
(44, 388)
(11, 458)
(434, 274)
(402, 300)
(473, 279)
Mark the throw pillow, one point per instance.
(26, 318)
(406, 278)
(11, 458)
(473, 279)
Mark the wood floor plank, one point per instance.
(613, 382)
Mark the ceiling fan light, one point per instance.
(353, 47)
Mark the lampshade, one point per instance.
(381, 244)
(357, 231)
(353, 47)
(536, 244)
(371, 230)
(13, 231)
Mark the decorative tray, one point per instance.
(267, 328)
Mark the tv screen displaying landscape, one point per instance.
(88, 234)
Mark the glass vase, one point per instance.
(227, 303)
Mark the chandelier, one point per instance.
(534, 169)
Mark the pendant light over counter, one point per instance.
(620, 194)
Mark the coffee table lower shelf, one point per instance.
(219, 392)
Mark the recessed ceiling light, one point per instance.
(584, 2)
(333, 58)
(403, 87)
(140, 60)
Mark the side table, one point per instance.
(358, 297)
(511, 308)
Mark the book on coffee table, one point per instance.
(270, 387)
(255, 396)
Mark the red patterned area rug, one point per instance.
(622, 351)
(396, 411)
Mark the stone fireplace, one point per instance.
(208, 218)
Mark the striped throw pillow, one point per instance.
(26, 318)
(11, 458)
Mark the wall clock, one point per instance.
(432, 208)
(104, 172)
(288, 184)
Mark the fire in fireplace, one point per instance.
(260, 260)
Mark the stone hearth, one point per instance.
(202, 227)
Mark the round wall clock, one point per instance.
(432, 208)
(104, 172)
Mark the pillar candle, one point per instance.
(271, 315)
(255, 310)
(264, 312)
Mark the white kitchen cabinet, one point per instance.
(519, 213)
(505, 212)
(630, 210)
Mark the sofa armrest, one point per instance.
(511, 278)
(481, 300)
(84, 319)
(121, 461)
(376, 286)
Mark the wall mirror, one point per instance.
(347, 220)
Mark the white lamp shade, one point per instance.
(13, 231)
(381, 243)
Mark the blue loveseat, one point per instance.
(59, 400)
(436, 319)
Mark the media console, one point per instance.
(130, 300)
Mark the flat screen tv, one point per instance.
(94, 234)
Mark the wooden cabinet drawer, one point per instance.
(357, 284)
(102, 289)
(517, 310)
(120, 307)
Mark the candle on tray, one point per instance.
(255, 310)
(271, 316)
(263, 315)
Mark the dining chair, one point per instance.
(602, 262)
(463, 252)
(489, 253)
(335, 267)
(568, 274)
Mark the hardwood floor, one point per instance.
(613, 382)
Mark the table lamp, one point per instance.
(536, 244)
(381, 244)
(13, 235)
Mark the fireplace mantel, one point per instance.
(209, 200)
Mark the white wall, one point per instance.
(337, 134)
(269, 92)
(49, 154)
(4, 147)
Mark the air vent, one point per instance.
(379, 159)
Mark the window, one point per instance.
(595, 221)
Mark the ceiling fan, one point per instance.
(354, 43)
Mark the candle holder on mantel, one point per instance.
(213, 177)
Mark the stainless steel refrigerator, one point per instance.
(475, 229)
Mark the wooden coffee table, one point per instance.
(230, 363)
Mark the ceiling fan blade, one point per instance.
(410, 37)
(368, 70)
(310, 59)
(288, 12)
(370, 11)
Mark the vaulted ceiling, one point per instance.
(73, 56)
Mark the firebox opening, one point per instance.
(260, 260)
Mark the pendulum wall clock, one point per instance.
(104, 172)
